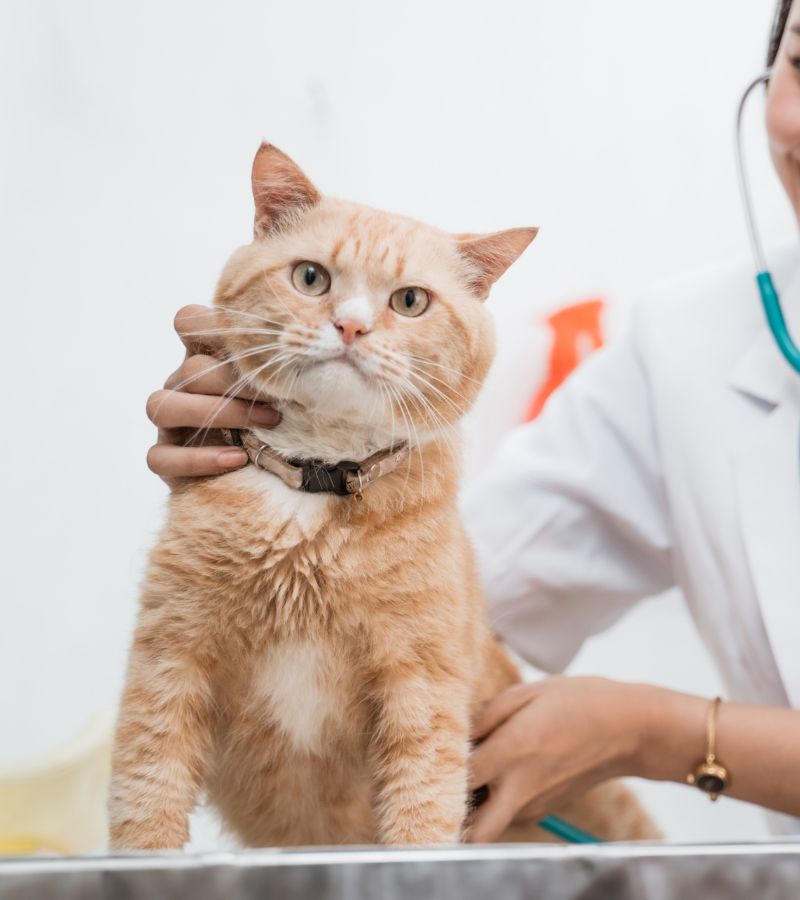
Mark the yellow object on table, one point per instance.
(57, 803)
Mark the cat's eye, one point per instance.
(311, 278)
(410, 301)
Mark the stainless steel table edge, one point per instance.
(333, 856)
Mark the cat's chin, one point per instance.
(338, 374)
(333, 387)
(305, 435)
(334, 412)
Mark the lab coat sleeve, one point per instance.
(569, 522)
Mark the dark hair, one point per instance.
(778, 25)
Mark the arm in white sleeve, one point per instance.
(570, 522)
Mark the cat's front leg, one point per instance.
(162, 740)
(419, 755)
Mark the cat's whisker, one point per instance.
(297, 343)
(299, 327)
(294, 382)
(440, 427)
(249, 378)
(245, 312)
(442, 421)
(437, 423)
(411, 426)
(401, 377)
(456, 409)
(413, 369)
(418, 444)
(376, 398)
(419, 371)
(395, 393)
(284, 357)
(425, 379)
(246, 379)
(381, 404)
(228, 360)
(199, 435)
(391, 410)
(409, 360)
(217, 331)
(230, 310)
(386, 401)
(457, 372)
(284, 364)
(223, 362)
(277, 296)
(202, 431)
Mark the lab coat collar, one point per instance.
(762, 372)
(767, 474)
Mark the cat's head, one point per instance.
(346, 310)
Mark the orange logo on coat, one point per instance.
(577, 332)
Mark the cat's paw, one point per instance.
(421, 834)
(143, 836)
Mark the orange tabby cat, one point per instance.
(311, 660)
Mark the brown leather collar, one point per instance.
(312, 475)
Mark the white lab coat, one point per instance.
(669, 458)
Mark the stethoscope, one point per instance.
(766, 287)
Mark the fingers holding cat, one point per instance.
(198, 328)
(195, 400)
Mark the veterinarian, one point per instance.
(670, 458)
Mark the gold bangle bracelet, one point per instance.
(710, 775)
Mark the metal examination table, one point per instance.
(756, 871)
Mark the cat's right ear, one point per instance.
(280, 189)
(489, 255)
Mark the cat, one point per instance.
(310, 658)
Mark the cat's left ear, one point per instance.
(489, 255)
(280, 189)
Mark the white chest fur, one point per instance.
(299, 684)
(308, 512)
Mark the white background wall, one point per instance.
(127, 136)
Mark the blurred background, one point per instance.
(128, 132)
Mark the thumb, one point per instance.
(490, 820)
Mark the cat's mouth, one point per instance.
(348, 360)
(337, 382)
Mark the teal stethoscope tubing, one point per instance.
(766, 288)
(567, 832)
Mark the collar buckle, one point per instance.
(319, 478)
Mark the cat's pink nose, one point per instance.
(350, 328)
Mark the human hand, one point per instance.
(193, 405)
(544, 743)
